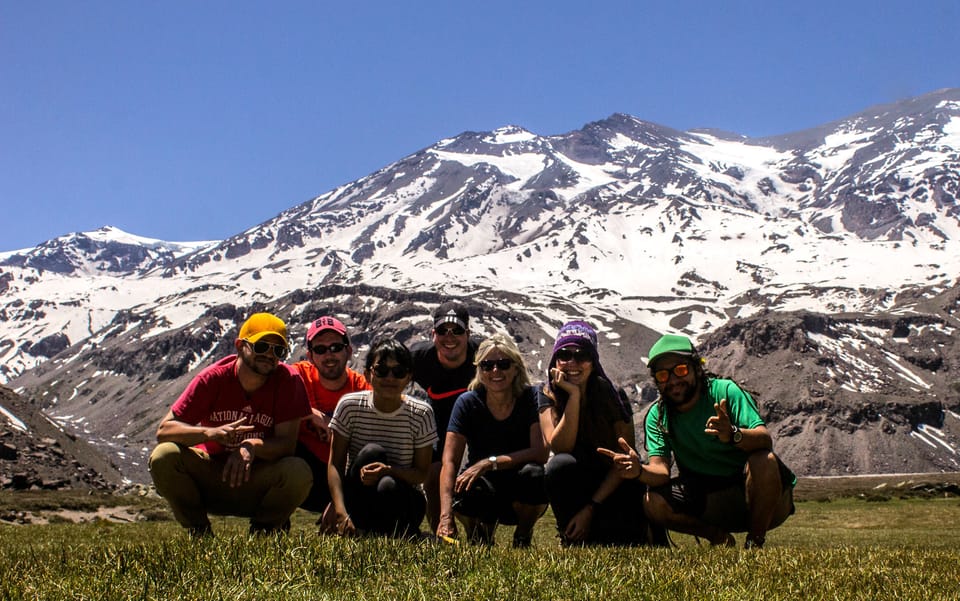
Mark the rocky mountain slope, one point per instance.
(818, 266)
(38, 454)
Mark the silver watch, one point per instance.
(493, 461)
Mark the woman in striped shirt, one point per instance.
(381, 450)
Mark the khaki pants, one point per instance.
(192, 482)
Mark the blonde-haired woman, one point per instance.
(496, 422)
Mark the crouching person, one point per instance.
(730, 480)
(496, 424)
(382, 444)
(226, 445)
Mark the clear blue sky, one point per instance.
(197, 120)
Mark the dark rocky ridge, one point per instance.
(829, 413)
(45, 456)
(827, 419)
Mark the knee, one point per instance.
(531, 471)
(762, 467)
(656, 507)
(165, 456)
(387, 485)
(295, 471)
(559, 465)
(370, 453)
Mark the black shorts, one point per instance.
(718, 500)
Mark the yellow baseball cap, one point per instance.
(259, 325)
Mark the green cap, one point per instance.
(670, 343)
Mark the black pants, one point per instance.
(319, 495)
(619, 520)
(390, 507)
(492, 495)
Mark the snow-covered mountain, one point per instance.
(638, 227)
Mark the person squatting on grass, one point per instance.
(226, 446)
(443, 367)
(327, 378)
(496, 423)
(580, 412)
(381, 446)
(730, 480)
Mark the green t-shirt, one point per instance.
(695, 450)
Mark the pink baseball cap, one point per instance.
(326, 323)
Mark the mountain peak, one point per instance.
(639, 228)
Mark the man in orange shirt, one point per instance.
(326, 377)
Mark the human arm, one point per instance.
(319, 422)
(560, 430)
(579, 525)
(628, 465)
(236, 469)
(371, 473)
(535, 453)
(282, 443)
(452, 456)
(337, 521)
(175, 430)
(721, 425)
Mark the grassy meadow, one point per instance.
(841, 548)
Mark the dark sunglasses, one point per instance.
(398, 371)
(680, 370)
(579, 355)
(322, 349)
(455, 330)
(501, 364)
(261, 347)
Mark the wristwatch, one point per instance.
(735, 434)
(493, 462)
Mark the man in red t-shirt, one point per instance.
(226, 446)
(327, 378)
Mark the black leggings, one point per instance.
(390, 507)
(492, 495)
(619, 520)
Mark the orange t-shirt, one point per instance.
(325, 401)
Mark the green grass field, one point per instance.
(848, 548)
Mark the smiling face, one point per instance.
(680, 391)
(450, 341)
(331, 365)
(497, 379)
(576, 365)
(264, 363)
(384, 379)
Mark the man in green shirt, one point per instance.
(729, 478)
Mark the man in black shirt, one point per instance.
(443, 368)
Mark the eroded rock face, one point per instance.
(830, 409)
(49, 346)
(34, 455)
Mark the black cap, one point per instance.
(451, 312)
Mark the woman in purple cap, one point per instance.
(581, 411)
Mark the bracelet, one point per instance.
(593, 504)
